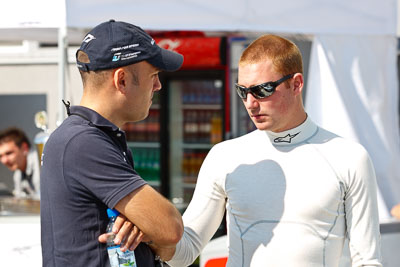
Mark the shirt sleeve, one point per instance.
(33, 162)
(204, 213)
(99, 168)
(362, 213)
(17, 176)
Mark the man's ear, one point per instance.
(298, 83)
(119, 78)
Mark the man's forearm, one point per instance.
(154, 215)
(164, 252)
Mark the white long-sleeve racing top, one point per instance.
(291, 200)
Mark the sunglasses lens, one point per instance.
(242, 92)
(259, 91)
(262, 91)
(268, 87)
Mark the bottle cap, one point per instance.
(112, 213)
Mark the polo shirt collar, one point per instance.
(94, 117)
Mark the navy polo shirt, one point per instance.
(86, 168)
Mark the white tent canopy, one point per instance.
(352, 91)
(352, 88)
(374, 17)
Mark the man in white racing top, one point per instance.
(293, 192)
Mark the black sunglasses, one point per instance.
(262, 90)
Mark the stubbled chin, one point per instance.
(259, 120)
(262, 125)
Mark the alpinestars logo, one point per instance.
(88, 38)
(285, 139)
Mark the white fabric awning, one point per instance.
(304, 16)
(353, 91)
(25, 18)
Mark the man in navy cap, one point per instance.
(87, 166)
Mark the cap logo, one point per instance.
(124, 47)
(119, 56)
(130, 55)
(88, 38)
(116, 56)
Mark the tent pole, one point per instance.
(62, 62)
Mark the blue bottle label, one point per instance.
(121, 259)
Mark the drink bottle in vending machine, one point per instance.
(195, 125)
(202, 126)
(144, 141)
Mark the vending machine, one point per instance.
(144, 141)
(187, 117)
(195, 97)
(195, 124)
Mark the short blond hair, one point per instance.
(284, 54)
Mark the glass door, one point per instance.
(144, 141)
(195, 124)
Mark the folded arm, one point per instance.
(155, 216)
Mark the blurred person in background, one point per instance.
(87, 165)
(18, 156)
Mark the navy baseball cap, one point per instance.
(115, 44)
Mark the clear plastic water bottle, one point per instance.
(116, 256)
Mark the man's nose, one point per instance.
(157, 84)
(250, 102)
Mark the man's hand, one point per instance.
(126, 233)
(396, 211)
(131, 236)
(155, 221)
